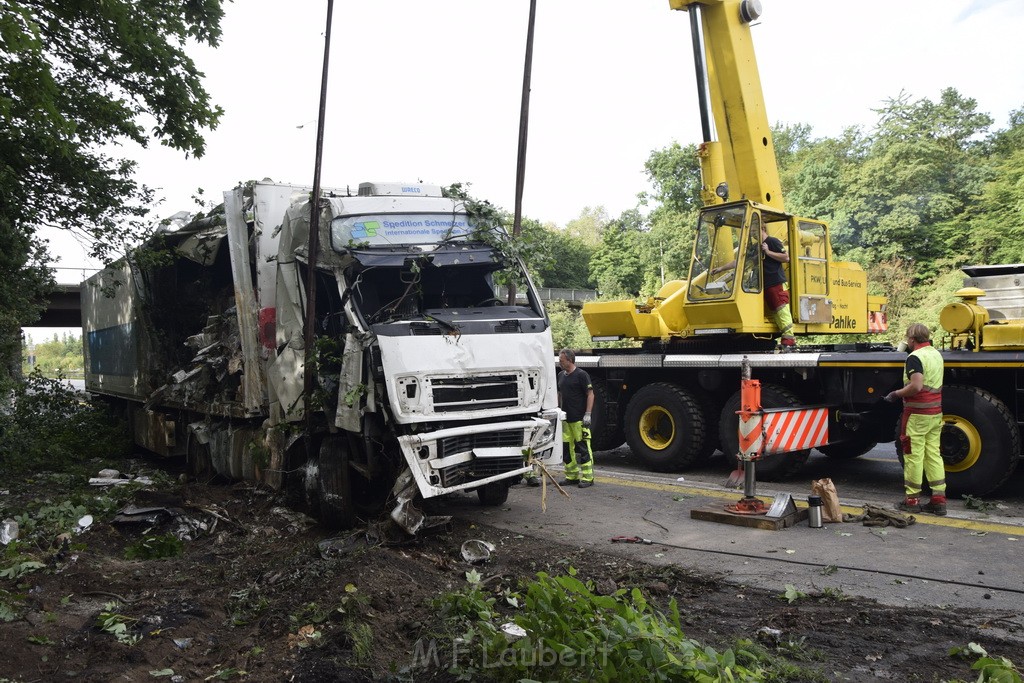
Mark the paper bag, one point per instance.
(830, 510)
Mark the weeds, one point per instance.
(991, 669)
(246, 604)
(47, 425)
(792, 594)
(154, 548)
(573, 633)
(118, 625)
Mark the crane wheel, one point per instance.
(980, 443)
(849, 449)
(665, 427)
(604, 434)
(774, 467)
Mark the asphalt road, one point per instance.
(970, 558)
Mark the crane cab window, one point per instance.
(812, 254)
(716, 253)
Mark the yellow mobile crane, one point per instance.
(675, 399)
(741, 192)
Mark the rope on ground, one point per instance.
(874, 515)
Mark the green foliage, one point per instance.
(568, 330)
(245, 604)
(574, 634)
(990, 669)
(489, 227)
(59, 356)
(118, 625)
(77, 80)
(616, 266)
(48, 425)
(20, 569)
(792, 594)
(154, 547)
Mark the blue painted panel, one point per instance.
(112, 350)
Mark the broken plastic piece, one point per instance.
(474, 550)
(8, 531)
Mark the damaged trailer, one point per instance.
(426, 382)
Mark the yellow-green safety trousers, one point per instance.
(576, 453)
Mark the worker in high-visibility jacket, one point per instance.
(921, 426)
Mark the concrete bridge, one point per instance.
(64, 309)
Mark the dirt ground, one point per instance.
(257, 595)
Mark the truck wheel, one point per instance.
(774, 467)
(334, 479)
(665, 427)
(980, 444)
(849, 449)
(603, 436)
(493, 494)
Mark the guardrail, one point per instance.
(554, 294)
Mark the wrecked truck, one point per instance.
(426, 382)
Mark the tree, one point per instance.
(616, 266)
(77, 79)
(589, 225)
(565, 259)
(925, 164)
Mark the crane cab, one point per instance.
(724, 293)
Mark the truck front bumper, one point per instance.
(460, 458)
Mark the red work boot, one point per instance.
(936, 506)
(909, 505)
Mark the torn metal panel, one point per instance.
(245, 301)
(351, 384)
(203, 246)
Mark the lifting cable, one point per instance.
(950, 582)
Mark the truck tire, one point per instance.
(774, 467)
(198, 462)
(980, 444)
(849, 449)
(665, 428)
(334, 481)
(603, 435)
(493, 494)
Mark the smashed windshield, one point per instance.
(453, 285)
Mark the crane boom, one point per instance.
(724, 296)
(743, 157)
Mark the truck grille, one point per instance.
(474, 393)
(479, 468)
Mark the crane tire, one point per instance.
(849, 449)
(603, 437)
(980, 444)
(665, 427)
(777, 466)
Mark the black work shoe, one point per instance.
(935, 508)
(908, 506)
(532, 481)
(568, 482)
(585, 484)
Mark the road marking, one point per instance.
(951, 522)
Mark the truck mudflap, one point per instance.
(444, 461)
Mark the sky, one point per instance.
(431, 91)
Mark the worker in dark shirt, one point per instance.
(776, 296)
(576, 398)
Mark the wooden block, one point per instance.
(750, 521)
